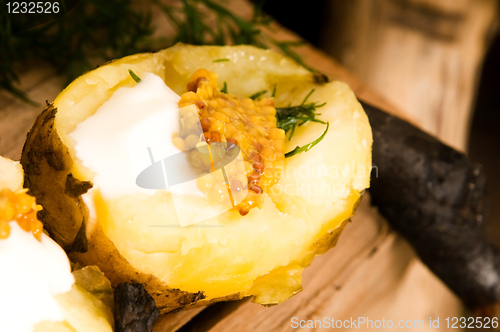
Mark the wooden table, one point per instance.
(372, 272)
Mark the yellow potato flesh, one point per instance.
(11, 174)
(264, 252)
(82, 312)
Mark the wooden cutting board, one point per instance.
(372, 272)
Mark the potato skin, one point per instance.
(118, 270)
(46, 165)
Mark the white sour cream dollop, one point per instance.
(32, 273)
(113, 143)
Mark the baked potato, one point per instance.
(137, 237)
(39, 292)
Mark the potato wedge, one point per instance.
(261, 254)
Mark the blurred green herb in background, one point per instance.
(93, 30)
(97, 31)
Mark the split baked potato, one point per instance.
(260, 254)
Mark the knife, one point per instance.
(435, 197)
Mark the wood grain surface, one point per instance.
(424, 56)
(372, 272)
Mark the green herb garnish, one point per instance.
(134, 76)
(307, 147)
(97, 31)
(221, 60)
(274, 91)
(92, 33)
(288, 118)
(286, 48)
(193, 26)
(258, 94)
(224, 88)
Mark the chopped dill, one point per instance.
(134, 76)
(97, 31)
(92, 33)
(274, 91)
(224, 88)
(221, 60)
(258, 94)
(307, 147)
(288, 118)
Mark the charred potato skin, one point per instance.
(47, 167)
(135, 309)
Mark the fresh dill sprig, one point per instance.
(257, 95)
(192, 24)
(93, 32)
(286, 48)
(97, 31)
(307, 147)
(288, 118)
(134, 76)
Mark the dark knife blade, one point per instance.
(435, 197)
